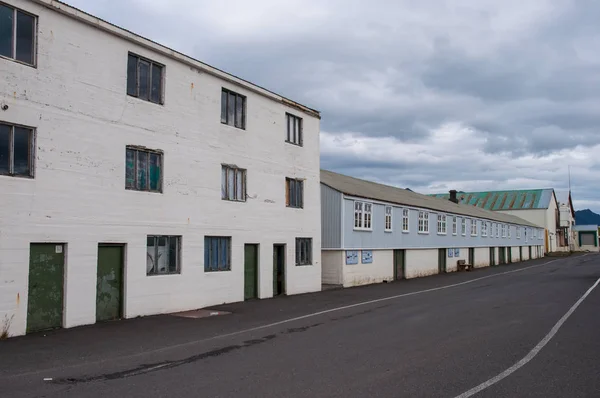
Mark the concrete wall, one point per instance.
(421, 262)
(515, 254)
(451, 261)
(332, 266)
(482, 257)
(382, 269)
(76, 100)
(525, 253)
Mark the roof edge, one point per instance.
(89, 19)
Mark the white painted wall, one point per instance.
(76, 99)
(451, 261)
(421, 262)
(482, 257)
(382, 269)
(515, 254)
(332, 266)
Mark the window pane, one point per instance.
(150, 256)
(239, 188)
(163, 255)
(238, 112)
(142, 170)
(144, 79)
(230, 184)
(155, 167)
(300, 193)
(293, 193)
(288, 126)
(22, 149)
(223, 183)
(231, 109)
(4, 148)
(223, 107)
(156, 83)
(6, 30)
(132, 75)
(25, 37)
(173, 254)
(130, 168)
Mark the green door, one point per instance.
(441, 261)
(501, 259)
(530, 252)
(492, 256)
(399, 264)
(472, 256)
(109, 283)
(250, 271)
(509, 251)
(520, 253)
(278, 270)
(46, 280)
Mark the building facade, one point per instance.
(539, 206)
(135, 180)
(373, 233)
(587, 238)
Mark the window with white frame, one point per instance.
(362, 215)
(508, 231)
(463, 226)
(303, 251)
(423, 222)
(388, 218)
(17, 34)
(441, 223)
(405, 219)
(518, 232)
(233, 183)
(473, 227)
(454, 226)
(504, 230)
(484, 228)
(497, 230)
(534, 233)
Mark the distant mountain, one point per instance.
(586, 217)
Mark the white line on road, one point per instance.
(532, 353)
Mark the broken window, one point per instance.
(294, 129)
(388, 218)
(233, 183)
(16, 150)
(163, 255)
(217, 253)
(303, 251)
(143, 170)
(294, 193)
(144, 79)
(17, 34)
(233, 109)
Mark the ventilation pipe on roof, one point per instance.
(453, 197)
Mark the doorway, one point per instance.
(46, 286)
(492, 256)
(472, 256)
(520, 253)
(250, 271)
(529, 252)
(278, 270)
(509, 256)
(441, 261)
(109, 282)
(399, 264)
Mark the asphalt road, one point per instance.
(432, 337)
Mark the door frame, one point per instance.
(123, 273)
(395, 255)
(283, 246)
(442, 264)
(256, 274)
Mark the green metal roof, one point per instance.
(505, 200)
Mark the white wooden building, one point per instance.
(135, 180)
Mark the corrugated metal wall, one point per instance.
(331, 218)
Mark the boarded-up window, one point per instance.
(303, 251)
(163, 255)
(143, 170)
(294, 196)
(233, 109)
(144, 79)
(294, 129)
(233, 183)
(16, 150)
(217, 253)
(17, 34)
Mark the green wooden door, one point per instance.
(46, 280)
(472, 256)
(278, 270)
(399, 264)
(492, 256)
(530, 252)
(250, 271)
(441, 261)
(520, 253)
(509, 251)
(109, 283)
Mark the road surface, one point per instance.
(519, 330)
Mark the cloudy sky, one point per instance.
(431, 95)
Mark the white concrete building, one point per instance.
(373, 233)
(135, 180)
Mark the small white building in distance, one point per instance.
(135, 180)
(373, 233)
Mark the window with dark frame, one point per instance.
(233, 183)
(143, 170)
(294, 129)
(217, 253)
(144, 79)
(233, 109)
(163, 255)
(17, 34)
(17, 148)
(303, 251)
(294, 193)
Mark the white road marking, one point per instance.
(531, 353)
